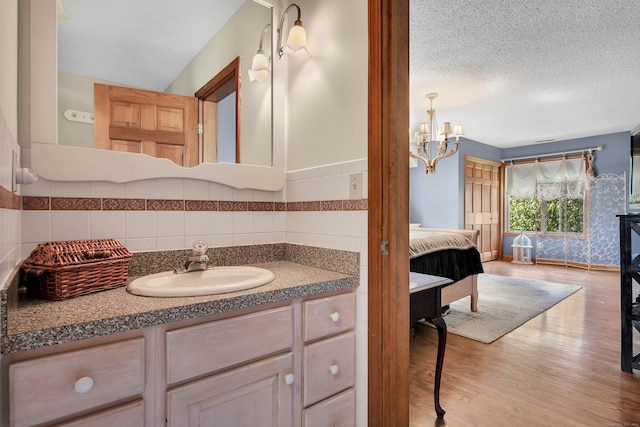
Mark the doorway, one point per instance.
(483, 204)
(219, 114)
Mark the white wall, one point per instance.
(75, 92)
(327, 92)
(9, 215)
(9, 63)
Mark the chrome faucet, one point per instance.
(197, 261)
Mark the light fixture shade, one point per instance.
(259, 68)
(424, 129)
(297, 41)
(446, 129)
(457, 130)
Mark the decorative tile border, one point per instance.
(110, 204)
(200, 205)
(75, 204)
(165, 205)
(123, 204)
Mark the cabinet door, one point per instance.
(254, 395)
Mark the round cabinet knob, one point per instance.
(289, 379)
(83, 385)
(334, 369)
(335, 317)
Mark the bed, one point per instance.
(450, 253)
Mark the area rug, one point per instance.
(504, 303)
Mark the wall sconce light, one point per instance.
(25, 176)
(260, 65)
(296, 44)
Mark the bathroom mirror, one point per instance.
(170, 47)
(58, 162)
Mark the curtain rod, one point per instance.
(582, 151)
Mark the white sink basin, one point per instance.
(218, 280)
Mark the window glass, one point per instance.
(546, 198)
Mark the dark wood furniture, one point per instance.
(629, 271)
(425, 292)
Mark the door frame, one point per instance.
(219, 87)
(388, 213)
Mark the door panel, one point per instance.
(209, 138)
(482, 204)
(140, 121)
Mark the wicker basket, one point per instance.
(63, 270)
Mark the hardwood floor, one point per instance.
(561, 368)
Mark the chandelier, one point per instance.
(431, 146)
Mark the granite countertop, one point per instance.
(33, 323)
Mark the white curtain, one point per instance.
(548, 180)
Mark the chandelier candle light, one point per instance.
(431, 146)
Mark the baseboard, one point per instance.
(575, 264)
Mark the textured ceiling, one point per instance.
(142, 43)
(517, 72)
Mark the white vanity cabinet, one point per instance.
(328, 361)
(47, 388)
(261, 388)
(281, 366)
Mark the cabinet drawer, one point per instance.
(330, 315)
(209, 347)
(44, 389)
(339, 410)
(129, 415)
(329, 367)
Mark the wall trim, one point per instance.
(45, 203)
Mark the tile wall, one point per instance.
(339, 229)
(151, 214)
(9, 203)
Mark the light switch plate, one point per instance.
(355, 185)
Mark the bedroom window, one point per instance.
(562, 215)
(547, 197)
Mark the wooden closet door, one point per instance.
(141, 121)
(482, 197)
